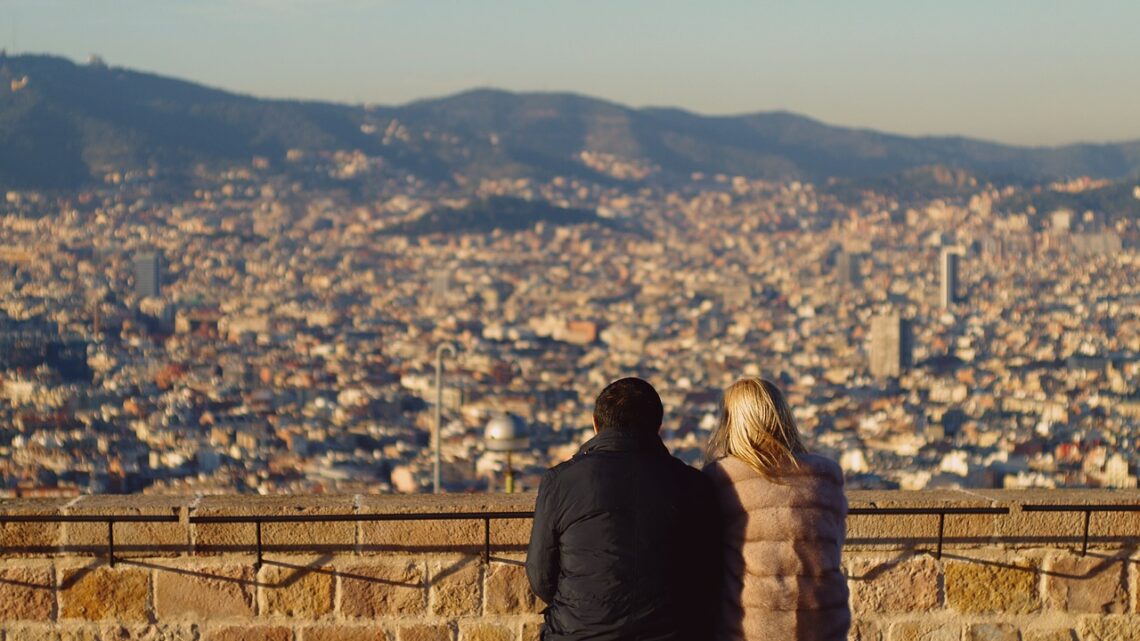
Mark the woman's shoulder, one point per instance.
(819, 465)
(717, 471)
(728, 469)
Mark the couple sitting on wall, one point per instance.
(631, 544)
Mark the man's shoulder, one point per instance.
(695, 477)
(562, 468)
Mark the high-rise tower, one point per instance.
(148, 275)
(948, 293)
(892, 345)
(847, 273)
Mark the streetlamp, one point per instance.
(444, 348)
(506, 433)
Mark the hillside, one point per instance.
(497, 213)
(71, 122)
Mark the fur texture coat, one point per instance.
(781, 545)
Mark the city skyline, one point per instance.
(1018, 74)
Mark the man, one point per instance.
(625, 545)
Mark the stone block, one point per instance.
(992, 586)
(458, 535)
(30, 539)
(1106, 529)
(508, 590)
(1109, 628)
(1025, 529)
(27, 593)
(423, 632)
(33, 632)
(884, 584)
(510, 534)
(864, 631)
(1086, 584)
(871, 532)
(337, 536)
(344, 633)
(908, 531)
(154, 632)
(992, 632)
(924, 631)
(1111, 530)
(248, 633)
(296, 590)
(120, 593)
(422, 536)
(484, 632)
(1055, 634)
(203, 591)
(383, 588)
(1134, 589)
(456, 587)
(131, 539)
(81, 633)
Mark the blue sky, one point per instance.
(1028, 72)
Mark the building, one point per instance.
(891, 345)
(148, 275)
(948, 294)
(847, 273)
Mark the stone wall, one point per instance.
(1015, 576)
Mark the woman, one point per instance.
(784, 512)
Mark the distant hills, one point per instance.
(67, 123)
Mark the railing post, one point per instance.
(486, 541)
(941, 531)
(111, 542)
(257, 564)
(1085, 539)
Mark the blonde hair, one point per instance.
(756, 427)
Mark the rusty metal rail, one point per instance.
(110, 520)
(927, 511)
(486, 517)
(1088, 510)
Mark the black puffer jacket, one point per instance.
(625, 544)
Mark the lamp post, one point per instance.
(506, 433)
(444, 348)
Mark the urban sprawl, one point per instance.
(261, 333)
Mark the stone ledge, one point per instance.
(1018, 529)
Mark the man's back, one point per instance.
(625, 543)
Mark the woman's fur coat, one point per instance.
(782, 542)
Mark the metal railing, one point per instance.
(1087, 509)
(110, 520)
(927, 511)
(486, 517)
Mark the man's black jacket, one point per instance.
(625, 545)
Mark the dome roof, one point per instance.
(506, 432)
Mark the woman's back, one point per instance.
(782, 545)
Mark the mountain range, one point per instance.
(63, 125)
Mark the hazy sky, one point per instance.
(1026, 72)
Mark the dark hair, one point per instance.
(629, 404)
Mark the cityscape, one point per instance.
(341, 320)
(261, 333)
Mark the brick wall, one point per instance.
(1015, 576)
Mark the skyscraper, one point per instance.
(891, 345)
(148, 275)
(948, 294)
(847, 270)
